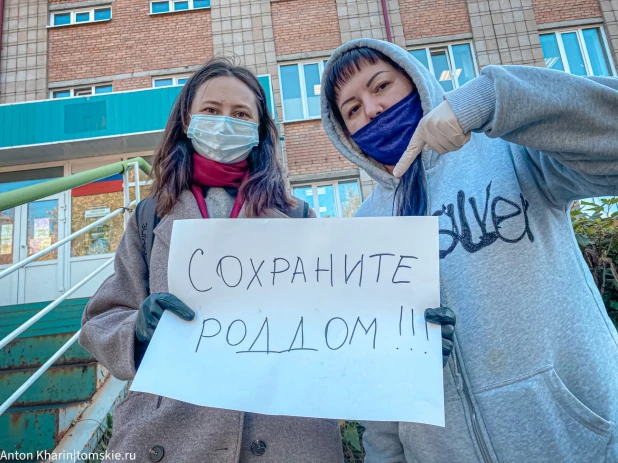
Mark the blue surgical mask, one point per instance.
(223, 139)
(388, 135)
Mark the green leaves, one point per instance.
(352, 439)
(351, 435)
(582, 239)
(596, 232)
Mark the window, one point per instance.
(331, 199)
(103, 14)
(82, 91)
(452, 65)
(61, 19)
(89, 203)
(61, 94)
(7, 236)
(82, 17)
(300, 90)
(169, 81)
(67, 18)
(42, 228)
(103, 89)
(94, 200)
(177, 5)
(42, 216)
(582, 52)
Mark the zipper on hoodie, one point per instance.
(478, 435)
(475, 424)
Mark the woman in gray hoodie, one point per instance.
(534, 373)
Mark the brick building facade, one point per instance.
(49, 50)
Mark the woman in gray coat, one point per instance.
(218, 158)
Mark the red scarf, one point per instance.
(209, 173)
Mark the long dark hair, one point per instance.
(410, 198)
(173, 160)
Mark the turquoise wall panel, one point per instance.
(94, 116)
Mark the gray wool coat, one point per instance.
(162, 429)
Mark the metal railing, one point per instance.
(35, 192)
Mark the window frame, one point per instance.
(450, 58)
(579, 32)
(75, 89)
(303, 94)
(82, 165)
(171, 6)
(73, 14)
(335, 184)
(174, 79)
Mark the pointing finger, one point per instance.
(414, 148)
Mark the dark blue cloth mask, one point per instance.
(388, 135)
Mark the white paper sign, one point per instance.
(314, 318)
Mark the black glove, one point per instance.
(446, 318)
(149, 315)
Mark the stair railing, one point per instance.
(35, 192)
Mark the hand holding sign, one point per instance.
(444, 317)
(439, 130)
(151, 310)
(300, 313)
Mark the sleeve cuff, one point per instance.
(474, 103)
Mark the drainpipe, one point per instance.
(387, 23)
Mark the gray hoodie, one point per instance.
(534, 373)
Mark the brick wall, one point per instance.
(434, 18)
(132, 84)
(132, 41)
(309, 150)
(549, 11)
(305, 25)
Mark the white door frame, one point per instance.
(22, 245)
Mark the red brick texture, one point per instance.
(132, 84)
(434, 18)
(305, 25)
(549, 11)
(309, 150)
(132, 41)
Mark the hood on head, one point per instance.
(429, 90)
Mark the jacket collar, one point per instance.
(186, 208)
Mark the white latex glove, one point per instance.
(439, 130)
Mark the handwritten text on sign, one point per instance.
(316, 318)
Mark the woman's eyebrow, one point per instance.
(346, 102)
(368, 84)
(242, 106)
(212, 102)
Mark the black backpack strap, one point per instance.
(147, 219)
(300, 211)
